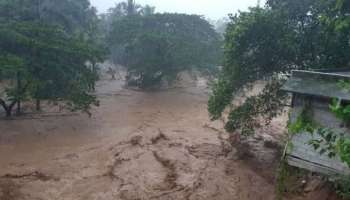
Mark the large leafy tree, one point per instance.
(263, 43)
(72, 16)
(156, 47)
(120, 11)
(45, 59)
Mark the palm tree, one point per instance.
(148, 10)
(132, 8)
(126, 8)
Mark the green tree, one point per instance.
(128, 8)
(72, 16)
(118, 12)
(157, 47)
(52, 65)
(263, 43)
(44, 59)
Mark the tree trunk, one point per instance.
(8, 113)
(18, 108)
(19, 86)
(8, 108)
(38, 105)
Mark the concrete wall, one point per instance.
(300, 153)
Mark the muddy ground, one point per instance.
(136, 146)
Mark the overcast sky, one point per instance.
(213, 9)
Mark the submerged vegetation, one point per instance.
(50, 50)
(156, 47)
(44, 55)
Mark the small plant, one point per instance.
(344, 84)
(289, 180)
(342, 187)
(333, 144)
(340, 111)
(304, 122)
(343, 148)
(327, 143)
(282, 175)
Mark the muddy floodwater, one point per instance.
(136, 146)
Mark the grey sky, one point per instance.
(213, 9)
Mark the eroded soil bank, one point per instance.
(154, 145)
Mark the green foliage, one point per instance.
(221, 97)
(343, 149)
(326, 143)
(343, 84)
(340, 111)
(9, 65)
(73, 16)
(129, 8)
(121, 10)
(288, 180)
(46, 54)
(248, 57)
(333, 144)
(159, 46)
(304, 122)
(342, 187)
(284, 35)
(329, 142)
(282, 176)
(267, 104)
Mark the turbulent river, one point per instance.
(137, 145)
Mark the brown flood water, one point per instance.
(136, 146)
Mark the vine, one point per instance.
(304, 121)
(340, 111)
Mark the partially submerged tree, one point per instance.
(11, 67)
(156, 47)
(53, 65)
(46, 59)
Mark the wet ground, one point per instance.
(136, 146)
